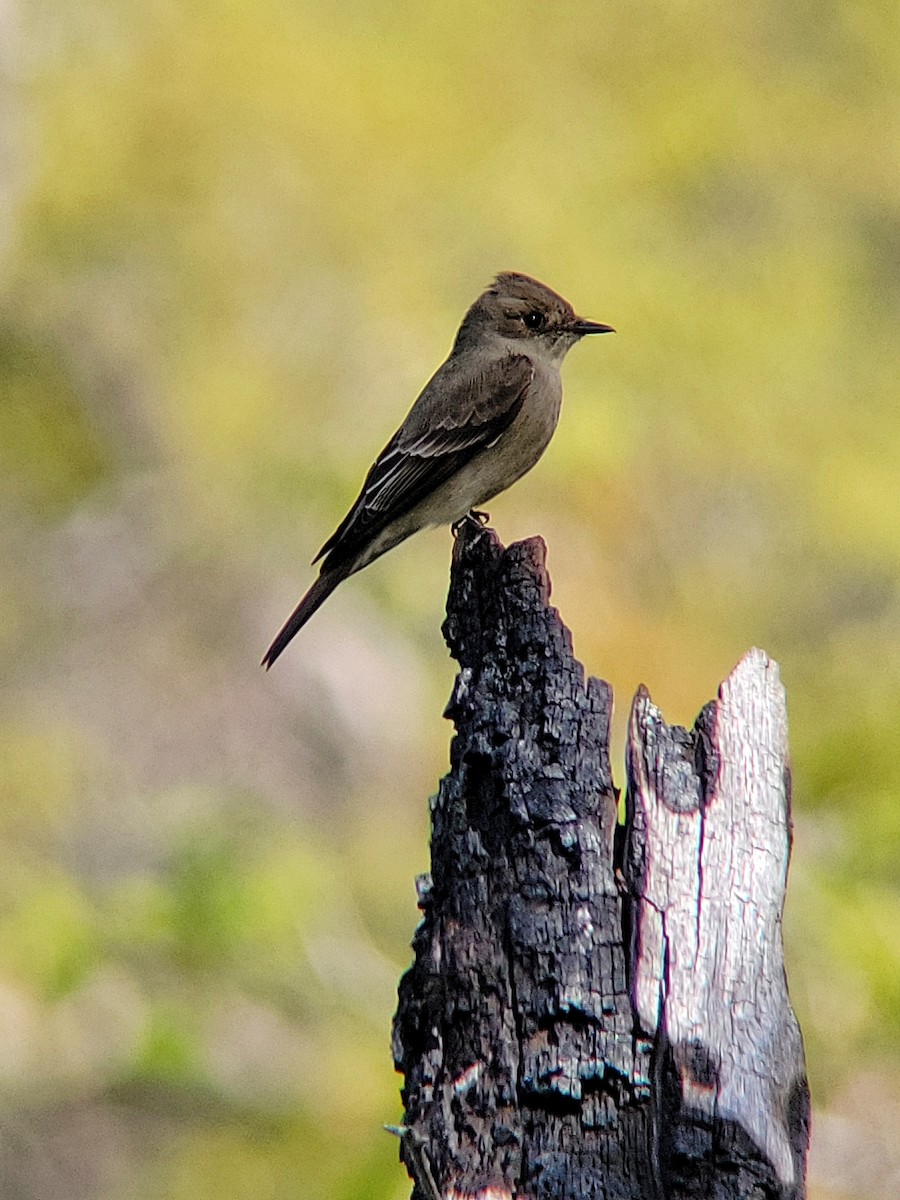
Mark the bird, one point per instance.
(481, 422)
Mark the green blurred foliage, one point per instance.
(236, 239)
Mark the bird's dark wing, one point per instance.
(431, 445)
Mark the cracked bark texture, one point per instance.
(567, 1029)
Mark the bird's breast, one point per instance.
(532, 430)
(517, 449)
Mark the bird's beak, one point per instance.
(580, 327)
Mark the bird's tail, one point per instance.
(317, 594)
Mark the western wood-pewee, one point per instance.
(483, 420)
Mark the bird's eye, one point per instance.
(534, 320)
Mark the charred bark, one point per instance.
(592, 1011)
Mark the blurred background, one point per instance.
(235, 240)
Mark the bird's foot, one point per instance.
(473, 517)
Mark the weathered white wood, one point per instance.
(707, 858)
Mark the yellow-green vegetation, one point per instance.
(235, 239)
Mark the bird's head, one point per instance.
(521, 310)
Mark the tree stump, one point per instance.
(597, 1012)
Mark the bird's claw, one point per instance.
(473, 517)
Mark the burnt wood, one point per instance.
(597, 1011)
